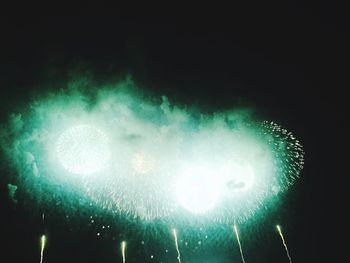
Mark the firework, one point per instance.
(148, 160)
(42, 247)
(284, 243)
(177, 245)
(123, 248)
(288, 154)
(83, 149)
(239, 242)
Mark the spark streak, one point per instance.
(177, 246)
(42, 242)
(123, 250)
(239, 243)
(284, 243)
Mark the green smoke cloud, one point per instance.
(158, 160)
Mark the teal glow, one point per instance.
(147, 158)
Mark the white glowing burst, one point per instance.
(158, 161)
(231, 187)
(198, 190)
(83, 150)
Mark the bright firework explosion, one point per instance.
(83, 150)
(151, 160)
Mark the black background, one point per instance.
(288, 61)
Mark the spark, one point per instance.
(123, 245)
(239, 243)
(177, 246)
(42, 242)
(284, 243)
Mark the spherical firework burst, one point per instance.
(83, 150)
(233, 178)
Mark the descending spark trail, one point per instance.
(177, 246)
(239, 243)
(42, 241)
(284, 243)
(123, 250)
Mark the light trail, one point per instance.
(42, 243)
(284, 243)
(177, 246)
(239, 242)
(123, 245)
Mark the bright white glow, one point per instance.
(198, 190)
(83, 150)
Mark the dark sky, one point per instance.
(288, 61)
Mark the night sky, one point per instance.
(287, 61)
